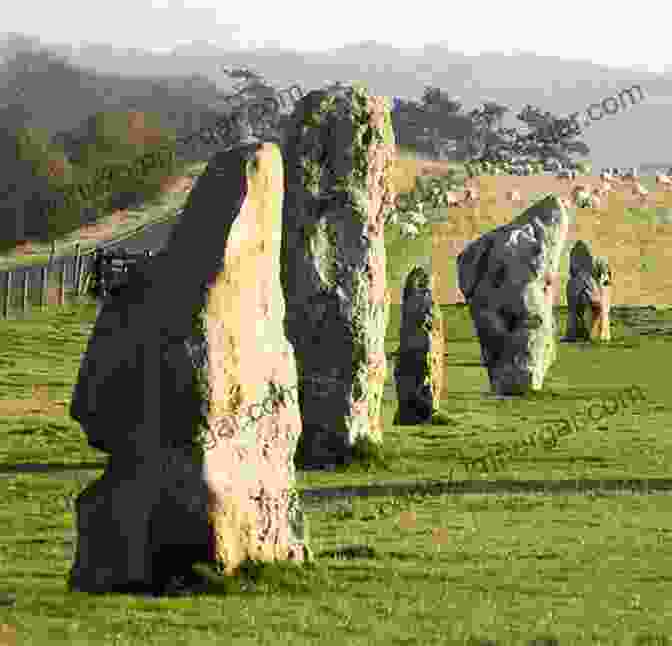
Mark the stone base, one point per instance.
(597, 329)
(414, 390)
(322, 448)
(139, 525)
(600, 329)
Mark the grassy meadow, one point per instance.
(582, 568)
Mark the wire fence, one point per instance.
(65, 278)
(60, 280)
(33, 285)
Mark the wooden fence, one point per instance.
(14, 281)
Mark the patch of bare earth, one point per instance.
(100, 231)
(24, 248)
(39, 403)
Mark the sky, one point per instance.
(614, 34)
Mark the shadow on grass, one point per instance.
(366, 456)
(34, 467)
(259, 577)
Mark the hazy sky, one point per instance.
(616, 34)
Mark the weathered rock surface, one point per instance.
(339, 151)
(195, 342)
(419, 370)
(507, 277)
(588, 289)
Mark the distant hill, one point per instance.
(48, 92)
(634, 136)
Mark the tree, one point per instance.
(33, 145)
(549, 137)
(434, 97)
(440, 119)
(31, 74)
(495, 112)
(26, 186)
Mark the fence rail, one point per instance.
(72, 272)
(18, 295)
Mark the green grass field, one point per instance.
(504, 566)
(585, 569)
(451, 569)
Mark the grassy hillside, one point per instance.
(635, 237)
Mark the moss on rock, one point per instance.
(198, 350)
(334, 212)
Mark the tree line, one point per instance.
(438, 119)
(37, 172)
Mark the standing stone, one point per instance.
(419, 370)
(588, 288)
(339, 151)
(507, 277)
(189, 383)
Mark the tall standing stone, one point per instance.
(339, 151)
(189, 383)
(419, 370)
(588, 289)
(508, 277)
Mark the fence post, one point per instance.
(61, 289)
(43, 284)
(8, 290)
(84, 271)
(24, 305)
(78, 262)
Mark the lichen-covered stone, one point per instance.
(507, 277)
(588, 289)
(339, 152)
(175, 365)
(419, 370)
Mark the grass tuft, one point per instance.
(262, 577)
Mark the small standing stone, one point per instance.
(588, 289)
(419, 370)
